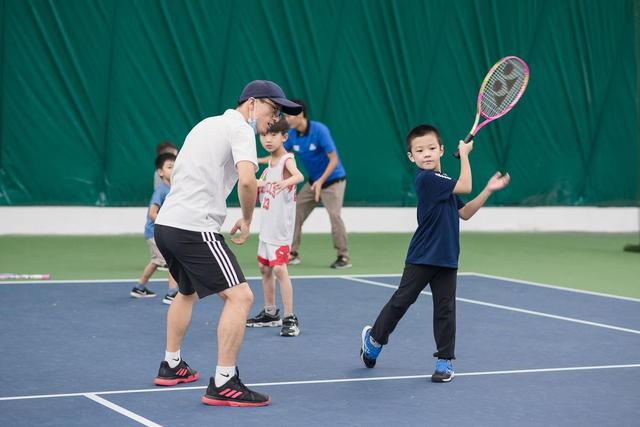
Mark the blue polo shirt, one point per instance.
(156, 199)
(312, 148)
(437, 238)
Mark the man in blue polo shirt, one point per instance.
(312, 143)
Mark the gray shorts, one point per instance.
(156, 256)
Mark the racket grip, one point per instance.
(466, 141)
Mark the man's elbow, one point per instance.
(247, 183)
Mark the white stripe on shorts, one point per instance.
(229, 263)
(225, 260)
(205, 238)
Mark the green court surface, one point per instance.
(594, 262)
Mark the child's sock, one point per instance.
(172, 358)
(172, 292)
(140, 286)
(374, 342)
(223, 374)
(270, 310)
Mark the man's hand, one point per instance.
(243, 226)
(317, 187)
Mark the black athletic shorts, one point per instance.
(199, 261)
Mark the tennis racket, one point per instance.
(501, 89)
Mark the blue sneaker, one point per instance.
(368, 352)
(444, 371)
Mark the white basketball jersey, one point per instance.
(278, 213)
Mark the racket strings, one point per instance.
(503, 87)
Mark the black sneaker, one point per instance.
(264, 319)
(233, 393)
(294, 258)
(142, 293)
(168, 299)
(341, 262)
(171, 376)
(290, 326)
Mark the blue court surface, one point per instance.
(86, 353)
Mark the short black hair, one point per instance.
(164, 147)
(281, 126)
(422, 130)
(163, 158)
(303, 104)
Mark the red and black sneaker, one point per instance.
(171, 376)
(233, 393)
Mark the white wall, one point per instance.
(90, 220)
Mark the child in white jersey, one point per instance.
(277, 197)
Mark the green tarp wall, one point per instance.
(89, 87)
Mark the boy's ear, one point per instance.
(410, 156)
(285, 136)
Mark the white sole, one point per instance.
(362, 335)
(274, 324)
(141, 296)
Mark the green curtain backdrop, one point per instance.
(89, 87)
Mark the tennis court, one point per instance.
(100, 100)
(528, 354)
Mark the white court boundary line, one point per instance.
(330, 276)
(102, 281)
(331, 381)
(119, 409)
(559, 288)
(505, 307)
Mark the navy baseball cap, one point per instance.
(268, 89)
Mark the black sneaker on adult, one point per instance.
(142, 293)
(168, 299)
(341, 262)
(182, 373)
(265, 320)
(233, 393)
(290, 326)
(294, 258)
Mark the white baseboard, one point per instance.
(106, 221)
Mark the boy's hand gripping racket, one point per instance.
(501, 89)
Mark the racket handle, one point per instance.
(466, 141)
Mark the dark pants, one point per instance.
(443, 288)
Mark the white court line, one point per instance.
(121, 410)
(329, 276)
(506, 307)
(332, 381)
(559, 288)
(100, 281)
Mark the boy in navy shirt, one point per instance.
(432, 257)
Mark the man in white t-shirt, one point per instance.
(218, 152)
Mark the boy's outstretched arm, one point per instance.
(464, 184)
(497, 182)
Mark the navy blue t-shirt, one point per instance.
(312, 148)
(437, 238)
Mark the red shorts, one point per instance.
(270, 255)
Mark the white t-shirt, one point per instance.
(205, 172)
(278, 210)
